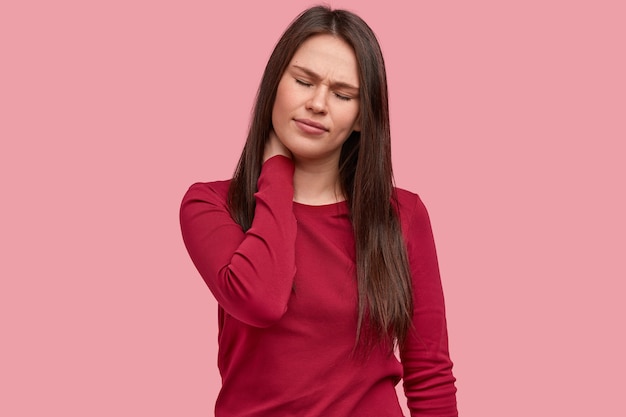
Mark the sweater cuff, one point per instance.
(278, 163)
(277, 173)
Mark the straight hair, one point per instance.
(385, 299)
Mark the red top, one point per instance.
(287, 299)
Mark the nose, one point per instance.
(317, 101)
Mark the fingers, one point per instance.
(274, 147)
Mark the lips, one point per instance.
(311, 127)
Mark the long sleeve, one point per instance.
(250, 274)
(428, 379)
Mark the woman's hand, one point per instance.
(274, 147)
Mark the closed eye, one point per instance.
(342, 97)
(307, 84)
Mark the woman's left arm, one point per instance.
(428, 380)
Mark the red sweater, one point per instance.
(287, 299)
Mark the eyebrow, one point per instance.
(316, 76)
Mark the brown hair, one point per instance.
(384, 283)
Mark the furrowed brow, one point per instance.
(316, 76)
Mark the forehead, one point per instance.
(329, 56)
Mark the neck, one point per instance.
(317, 184)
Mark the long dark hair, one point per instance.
(384, 283)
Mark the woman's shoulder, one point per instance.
(214, 191)
(410, 208)
(406, 200)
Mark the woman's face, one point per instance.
(317, 100)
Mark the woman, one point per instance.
(319, 265)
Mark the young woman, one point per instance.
(319, 265)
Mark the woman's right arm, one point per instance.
(250, 274)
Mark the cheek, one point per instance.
(348, 118)
(276, 110)
(280, 106)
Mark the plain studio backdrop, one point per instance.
(508, 118)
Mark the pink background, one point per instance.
(508, 118)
